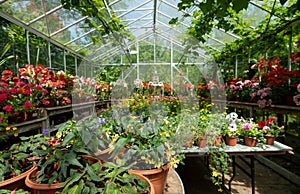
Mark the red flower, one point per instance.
(8, 108)
(3, 97)
(21, 84)
(45, 102)
(27, 92)
(27, 104)
(270, 120)
(1, 119)
(39, 88)
(261, 124)
(7, 72)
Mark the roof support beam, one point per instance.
(154, 15)
(134, 8)
(34, 31)
(68, 26)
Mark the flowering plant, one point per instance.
(296, 98)
(264, 97)
(250, 129)
(231, 128)
(269, 127)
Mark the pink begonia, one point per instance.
(27, 104)
(247, 126)
(20, 84)
(27, 92)
(297, 99)
(3, 84)
(253, 94)
(262, 103)
(38, 88)
(255, 85)
(8, 108)
(30, 85)
(247, 81)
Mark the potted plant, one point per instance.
(270, 129)
(17, 161)
(153, 140)
(252, 134)
(231, 130)
(14, 191)
(63, 164)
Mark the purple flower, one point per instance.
(101, 120)
(253, 94)
(247, 126)
(255, 85)
(45, 131)
(297, 99)
(298, 87)
(262, 103)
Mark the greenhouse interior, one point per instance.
(150, 96)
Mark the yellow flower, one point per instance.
(59, 134)
(107, 132)
(220, 190)
(14, 128)
(16, 134)
(166, 121)
(214, 174)
(165, 134)
(133, 117)
(173, 113)
(7, 128)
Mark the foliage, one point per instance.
(231, 128)
(250, 129)
(105, 178)
(219, 164)
(270, 128)
(16, 159)
(19, 191)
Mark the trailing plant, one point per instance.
(219, 164)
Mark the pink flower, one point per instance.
(27, 92)
(39, 88)
(298, 88)
(13, 90)
(297, 99)
(20, 84)
(3, 97)
(3, 84)
(27, 104)
(253, 94)
(1, 119)
(262, 103)
(8, 108)
(30, 85)
(45, 102)
(45, 91)
(247, 126)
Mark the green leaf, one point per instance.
(238, 5)
(283, 2)
(173, 21)
(68, 138)
(21, 156)
(72, 180)
(92, 174)
(86, 190)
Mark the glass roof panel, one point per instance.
(72, 33)
(254, 15)
(23, 10)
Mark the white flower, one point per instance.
(232, 127)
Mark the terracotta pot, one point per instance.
(17, 182)
(158, 177)
(202, 142)
(270, 140)
(218, 140)
(231, 141)
(38, 188)
(249, 141)
(144, 178)
(190, 143)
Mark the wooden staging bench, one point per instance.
(242, 150)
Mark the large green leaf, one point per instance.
(21, 156)
(238, 5)
(92, 174)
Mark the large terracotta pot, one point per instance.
(144, 178)
(38, 188)
(249, 141)
(270, 140)
(17, 182)
(231, 141)
(157, 176)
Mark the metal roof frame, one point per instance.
(156, 25)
